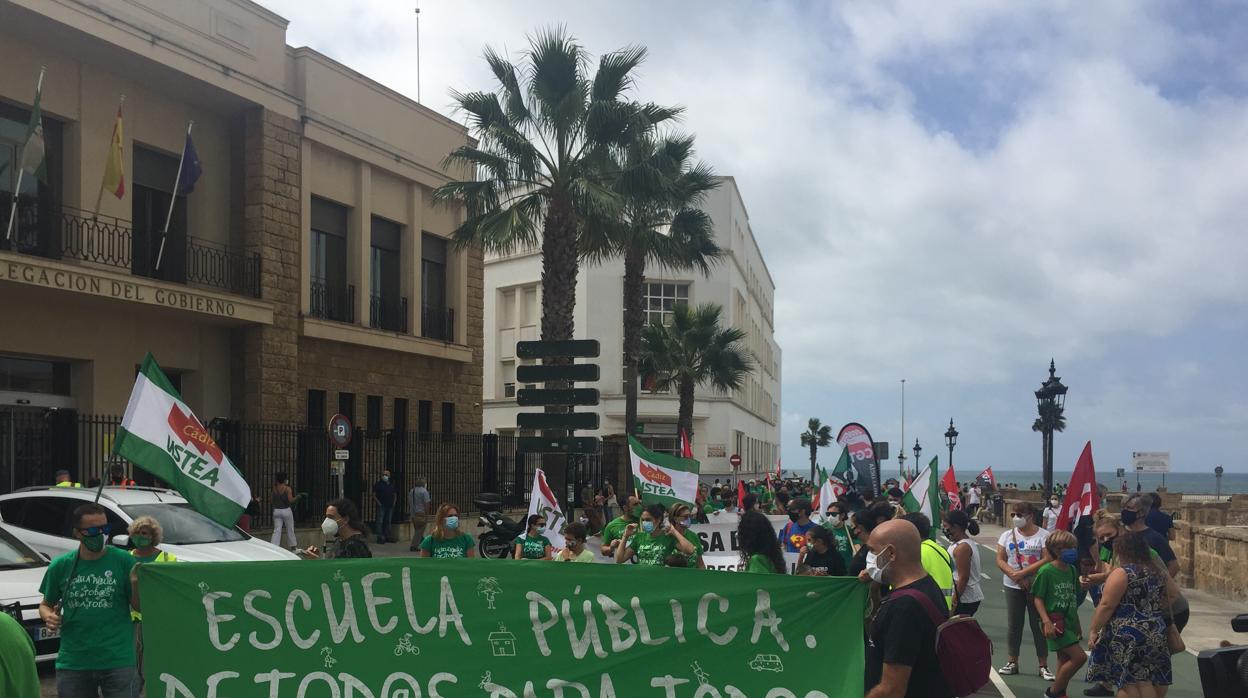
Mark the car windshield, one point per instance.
(182, 525)
(15, 554)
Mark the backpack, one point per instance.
(963, 651)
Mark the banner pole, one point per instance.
(173, 199)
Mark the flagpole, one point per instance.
(8, 230)
(99, 198)
(160, 254)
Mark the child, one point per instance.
(1056, 590)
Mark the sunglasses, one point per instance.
(96, 530)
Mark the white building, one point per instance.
(745, 423)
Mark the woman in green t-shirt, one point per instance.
(447, 540)
(533, 545)
(654, 542)
(760, 548)
(681, 520)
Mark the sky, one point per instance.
(951, 193)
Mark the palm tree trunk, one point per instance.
(559, 271)
(685, 419)
(634, 318)
(814, 455)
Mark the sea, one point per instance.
(1185, 482)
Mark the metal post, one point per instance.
(173, 200)
(418, 54)
(901, 452)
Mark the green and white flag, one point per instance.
(160, 434)
(833, 485)
(924, 495)
(662, 479)
(34, 159)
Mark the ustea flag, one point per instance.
(833, 485)
(924, 495)
(543, 503)
(160, 434)
(661, 478)
(34, 156)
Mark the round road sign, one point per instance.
(339, 431)
(735, 460)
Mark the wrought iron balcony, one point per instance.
(73, 234)
(332, 301)
(437, 323)
(387, 313)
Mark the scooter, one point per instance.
(500, 530)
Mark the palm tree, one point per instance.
(816, 436)
(694, 350)
(660, 188)
(542, 161)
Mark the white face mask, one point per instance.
(1018, 521)
(874, 570)
(329, 527)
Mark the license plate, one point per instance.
(46, 634)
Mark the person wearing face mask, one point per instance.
(1020, 554)
(793, 536)
(865, 521)
(574, 535)
(146, 535)
(447, 540)
(1056, 595)
(533, 545)
(385, 494)
(653, 542)
(901, 645)
(342, 525)
(967, 593)
(1051, 513)
(682, 519)
(819, 557)
(613, 532)
(1134, 511)
(836, 521)
(88, 595)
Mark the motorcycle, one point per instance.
(500, 531)
(1224, 671)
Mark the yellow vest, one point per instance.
(67, 483)
(938, 564)
(136, 616)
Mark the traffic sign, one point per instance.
(735, 460)
(340, 431)
(536, 397)
(587, 348)
(576, 444)
(586, 373)
(342, 454)
(555, 420)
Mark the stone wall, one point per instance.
(1213, 558)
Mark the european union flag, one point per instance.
(191, 169)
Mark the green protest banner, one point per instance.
(412, 628)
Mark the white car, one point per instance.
(42, 518)
(21, 572)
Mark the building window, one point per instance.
(661, 298)
(34, 229)
(331, 297)
(155, 176)
(400, 414)
(448, 418)
(374, 414)
(316, 409)
(34, 376)
(424, 417)
(437, 321)
(346, 406)
(508, 369)
(387, 310)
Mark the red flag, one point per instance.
(778, 470)
(1081, 495)
(949, 483)
(686, 448)
(988, 474)
(740, 494)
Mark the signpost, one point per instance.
(570, 445)
(735, 461)
(531, 397)
(340, 433)
(1150, 462)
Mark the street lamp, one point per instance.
(951, 440)
(917, 450)
(1051, 404)
(1217, 473)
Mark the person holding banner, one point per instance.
(760, 550)
(681, 520)
(574, 535)
(533, 545)
(654, 542)
(342, 525)
(613, 532)
(447, 540)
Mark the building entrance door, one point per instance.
(27, 438)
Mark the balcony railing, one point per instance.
(437, 323)
(70, 233)
(332, 301)
(387, 313)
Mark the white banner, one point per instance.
(720, 550)
(543, 502)
(1150, 461)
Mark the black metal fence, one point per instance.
(35, 443)
(437, 323)
(332, 301)
(387, 313)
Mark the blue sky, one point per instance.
(947, 192)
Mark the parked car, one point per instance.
(41, 517)
(21, 571)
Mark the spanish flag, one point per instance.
(114, 166)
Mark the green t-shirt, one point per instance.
(692, 560)
(759, 563)
(652, 549)
(18, 676)
(96, 632)
(843, 545)
(447, 547)
(532, 547)
(614, 529)
(1059, 589)
(585, 555)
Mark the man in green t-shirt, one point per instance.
(88, 595)
(614, 530)
(18, 675)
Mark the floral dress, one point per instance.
(1132, 648)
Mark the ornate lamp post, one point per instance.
(917, 450)
(1217, 473)
(951, 440)
(1051, 404)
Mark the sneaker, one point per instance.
(1009, 669)
(1098, 690)
(1046, 674)
(1048, 693)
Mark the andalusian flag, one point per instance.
(160, 434)
(663, 479)
(34, 158)
(833, 485)
(114, 166)
(924, 495)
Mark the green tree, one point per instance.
(694, 350)
(816, 436)
(542, 166)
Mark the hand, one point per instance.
(51, 619)
(312, 551)
(630, 529)
(1084, 581)
(1050, 630)
(615, 543)
(1093, 638)
(864, 577)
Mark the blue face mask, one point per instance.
(452, 522)
(1070, 556)
(647, 526)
